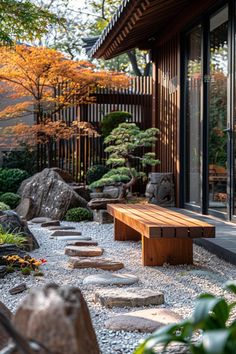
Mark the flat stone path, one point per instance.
(128, 298)
(83, 243)
(98, 263)
(51, 223)
(111, 279)
(83, 251)
(71, 238)
(66, 233)
(147, 320)
(54, 228)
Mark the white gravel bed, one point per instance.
(180, 284)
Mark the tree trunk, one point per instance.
(133, 60)
(126, 186)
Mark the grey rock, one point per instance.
(40, 220)
(98, 263)
(10, 249)
(128, 298)
(51, 223)
(66, 233)
(59, 318)
(112, 191)
(102, 203)
(18, 289)
(51, 195)
(160, 189)
(54, 228)
(83, 251)
(4, 337)
(102, 217)
(110, 279)
(143, 321)
(3, 271)
(11, 222)
(25, 208)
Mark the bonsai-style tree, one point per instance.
(43, 82)
(124, 146)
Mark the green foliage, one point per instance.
(78, 214)
(9, 238)
(95, 172)
(10, 199)
(25, 159)
(22, 20)
(112, 120)
(211, 315)
(4, 206)
(10, 179)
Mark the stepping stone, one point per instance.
(98, 263)
(83, 251)
(54, 228)
(83, 243)
(110, 279)
(71, 238)
(18, 289)
(143, 321)
(40, 220)
(51, 223)
(127, 298)
(66, 233)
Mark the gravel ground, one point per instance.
(180, 284)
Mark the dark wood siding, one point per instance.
(166, 114)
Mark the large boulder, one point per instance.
(51, 196)
(11, 222)
(57, 317)
(4, 337)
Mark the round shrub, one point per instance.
(112, 120)
(78, 214)
(11, 178)
(4, 206)
(95, 172)
(10, 199)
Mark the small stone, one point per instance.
(143, 321)
(51, 223)
(110, 279)
(127, 298)
(40, 220)
(18, 289)
(66, 233)
(83, 251)
(72, 238)
(98, 263)
(83, 243)
(3, 271)
(54, 228)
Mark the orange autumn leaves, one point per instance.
(43, 82)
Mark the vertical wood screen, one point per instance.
(77, 155)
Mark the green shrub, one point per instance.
(24, 159)
(9, 238)
(112, 120)
(95, 172)
(4, 206)
(78, 214)
(211, 317)
(10, 199)
(10, 179)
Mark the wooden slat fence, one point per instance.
(77, 155)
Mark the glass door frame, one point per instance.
(205, 23)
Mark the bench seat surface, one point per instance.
(154, 221)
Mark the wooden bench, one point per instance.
(167, 236)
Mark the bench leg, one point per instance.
(156, 252)
(123, 232)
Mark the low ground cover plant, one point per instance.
(11, 178)
(10, 238)
(10, 199)
(212, 319)
(4, 207)
(78, 214)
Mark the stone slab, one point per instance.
(110, 279)
(83, 243)
(143, 321)
(98, 263)
(128, 298)
(40, 220)
(71, 238)
(55, 228)
(66, 233)
(51, 223)
(83, 251)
